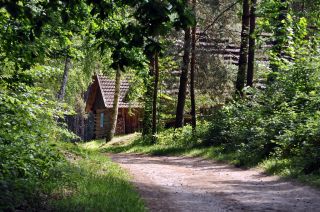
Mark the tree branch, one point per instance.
(219, 16)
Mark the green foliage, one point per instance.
(281, 121)
(91, 182)
(35, 37)
(169, 141)
(32, 30)
(181, 137)
(27, 126)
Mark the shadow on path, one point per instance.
(195, 184)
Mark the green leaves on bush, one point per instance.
(27, 127)
(280, 121)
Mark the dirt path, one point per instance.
(194, 184)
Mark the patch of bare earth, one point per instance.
(195, 184)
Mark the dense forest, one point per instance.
(235, 78)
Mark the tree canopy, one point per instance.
(247, 71)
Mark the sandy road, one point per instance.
(194, 184)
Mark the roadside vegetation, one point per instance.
(83, 179)
(244, 73)
(182, 142)
(91, 182)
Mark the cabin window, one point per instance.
(101, 119)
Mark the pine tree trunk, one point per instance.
(67, 67)
(252, 44)
(192, 70)
(183, 79)
(155, 96)
(243, 59)
(114, 113)
(147, 116)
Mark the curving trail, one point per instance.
(195, 184)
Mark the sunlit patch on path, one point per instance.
(194, 184)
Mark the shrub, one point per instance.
(179, 137)
(27, 127)
(280, 121)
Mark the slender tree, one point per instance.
(183, 78)
(252, 43)
(155, 20)
(67, 67)
(155, 95)
(280, 36)
(192, 70)
(280, 29)
(243, 59)
(147, 116)
(114, 113)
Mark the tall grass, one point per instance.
(91, 182)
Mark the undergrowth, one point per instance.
(86, 180)
(92, 182)
(181, 142)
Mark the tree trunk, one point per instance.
(281, 32)
(155, 96)
(67, 67)
(147, 116)
(252, 43)
(82, 128)
(183, 79)
(243, 59)
(280, 41)
(114, 113)
(192, 70)
(75, 124)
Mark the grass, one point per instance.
(90, 181)
(288, 168)
(136, 146)
(284, 168)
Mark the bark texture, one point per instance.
(243, 59)
(252, 43)
(192, 70)
(183, 79)
(155, 95)
(114, 114)
(67, 67)
(147, 116)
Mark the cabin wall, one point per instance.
(127, 122)
(133, 119)
(99, 103)
(100, 132)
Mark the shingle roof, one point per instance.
(107, 90)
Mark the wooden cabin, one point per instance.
(100, 103)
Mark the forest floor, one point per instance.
(177, 183)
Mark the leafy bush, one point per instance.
(178, 137)
(281, 121)
(27, 127)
